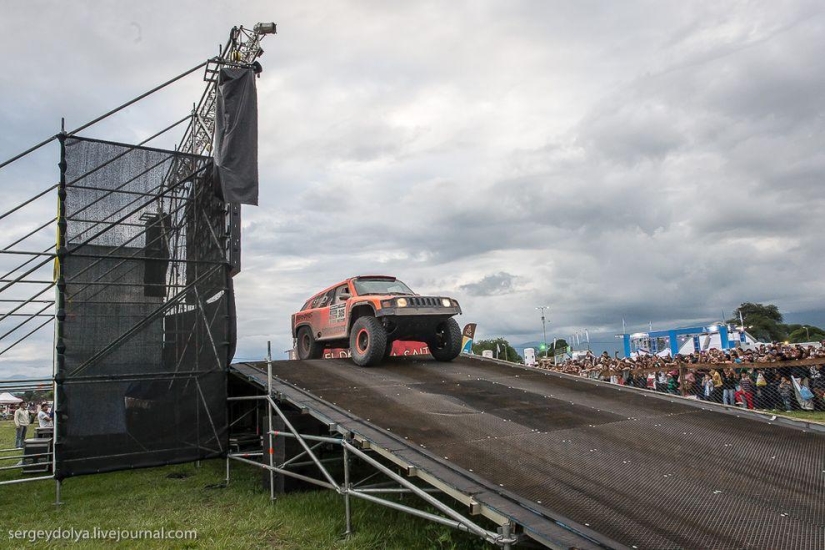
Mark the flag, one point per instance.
(467, 338)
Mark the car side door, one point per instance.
(338, 311)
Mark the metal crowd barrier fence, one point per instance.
(777, 385)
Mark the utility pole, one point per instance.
(544, 328)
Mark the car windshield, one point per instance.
(381, 286)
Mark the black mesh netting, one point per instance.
(148, 328)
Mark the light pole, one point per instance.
(544, 328)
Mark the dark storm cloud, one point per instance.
(630, 132)
(497, 283)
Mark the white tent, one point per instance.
(8, 399)
(712, 340)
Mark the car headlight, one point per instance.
(446, 302)
(401, 302)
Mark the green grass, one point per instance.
(238, 516)
(815, 416)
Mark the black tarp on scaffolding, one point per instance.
(149, 315)
(236, 136)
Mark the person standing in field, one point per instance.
(43, 417)
(21, 422)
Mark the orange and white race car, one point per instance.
(368, 313)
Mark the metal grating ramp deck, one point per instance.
(626, 467)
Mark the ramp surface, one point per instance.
(638, 469)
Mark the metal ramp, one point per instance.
(573, 463)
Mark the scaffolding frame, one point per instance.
(177, 194)
(357, 448)
(241, 50)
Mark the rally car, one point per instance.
(368, 313)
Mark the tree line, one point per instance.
(765, 323)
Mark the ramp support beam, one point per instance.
(454, 519)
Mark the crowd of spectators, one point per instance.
(795, 378)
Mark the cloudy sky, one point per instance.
(658, 162)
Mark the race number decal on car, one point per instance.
(337, 313)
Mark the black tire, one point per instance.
(446, 343)
(388, 349)
(308, 348)
(367, 341)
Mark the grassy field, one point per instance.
(189, 498)
(816, 416)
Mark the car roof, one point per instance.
(330, 287)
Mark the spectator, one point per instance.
(43, 418)
(760, 397)
(728, 387)
(690, 383)
(717, 385)
(21, 422)
(770, 398)
(708, 387)
(661, 381)
(786, 392)
(746, 391)
(818, 383)
(815, 377)
(650, 371)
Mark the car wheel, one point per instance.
(367, 341)
(388, 350)
(446, 343)
(308, 348)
